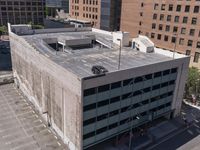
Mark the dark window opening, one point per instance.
(89, 107)
(103, 88)
(116, 85)
(90, 91)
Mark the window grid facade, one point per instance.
(113, 108)
(184, 14)
(22, 11)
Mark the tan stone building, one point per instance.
(22, 11)
(170, 24)
(88, 10)
(103, 14)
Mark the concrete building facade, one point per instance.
(103, 14)
(22, 11)
(53, 69)
(170, 24)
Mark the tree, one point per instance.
(36, 26)
(3, 30)
(193, 83)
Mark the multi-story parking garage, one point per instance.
(55, 69)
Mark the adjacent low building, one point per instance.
(55, 70)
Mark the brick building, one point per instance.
(170, 24)
(22, 11)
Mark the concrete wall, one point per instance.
(51, 88)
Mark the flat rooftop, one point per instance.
(80, 61)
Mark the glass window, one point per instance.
(198, 44)
(173, 39)
(194, 21)
(196, 57)
(90, 91)
(175, 29)
(163, 7)
(169, 17)
(181, 41)
(170, 7)
(156, 6)
(166, 38)
(161, 17)
(196, 9)
(192, 32)
(178, 8)
(154, 16)
(176, 19)
(167, 28)
(153, 25)
(190, 42)
(159, 36)
(187, 8)
(185, 19)
(103, 88)
(183, 30)
(188, 52)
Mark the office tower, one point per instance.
(22, 11)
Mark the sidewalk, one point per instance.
(21, 128)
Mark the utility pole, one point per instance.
(175, 46)
(120, 51)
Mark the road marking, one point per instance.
(198, 130)
(196, 125)
(190, 132)
(59, 144)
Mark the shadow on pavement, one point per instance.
(5, 57)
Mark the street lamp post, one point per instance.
(120, 49)
(175, 46)
(130, 135)
(197, 88)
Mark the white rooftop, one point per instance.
(80, 61)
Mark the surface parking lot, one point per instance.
(21, 128)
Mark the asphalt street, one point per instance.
(186, 138)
